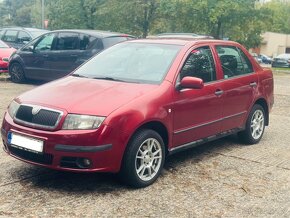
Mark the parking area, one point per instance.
(223, 178)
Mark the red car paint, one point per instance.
(5, 53)
(179, 116)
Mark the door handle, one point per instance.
(219, 92)
(45, 55)
(253, 84)
(73, 55)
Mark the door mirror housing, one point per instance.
(31, 48)
(189, 82)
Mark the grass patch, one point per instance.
(287, 70)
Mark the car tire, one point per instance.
(255, 126)
(16, 73)
(143, 160)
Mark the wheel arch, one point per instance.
(264, 104)
(158, 127)
(17, 62)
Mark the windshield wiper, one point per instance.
(78, 75)
(109, 78)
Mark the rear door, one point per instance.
(239, 86)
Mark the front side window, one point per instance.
(131, 62)
(200, 64)
(234, 62)
(67, 41)
(45, 43)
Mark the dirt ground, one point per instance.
(220, 179)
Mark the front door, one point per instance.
(197, 112)
(36, 61)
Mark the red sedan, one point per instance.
(5, 53)
(133, 104)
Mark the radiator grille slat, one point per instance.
(44, 118)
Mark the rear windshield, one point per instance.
(108, 42)
(131, 62)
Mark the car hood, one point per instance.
(6, 52)
(85, 96)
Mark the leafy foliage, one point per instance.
(239, 20)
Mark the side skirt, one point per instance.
(204, 140)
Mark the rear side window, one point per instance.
(23, 37)
(1, 33)
(10, 36)
(67, 41)
(108, 42)
(87, 42)
(200, 64)
(234, 62)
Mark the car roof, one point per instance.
(283, 56)
(181, 36)
(97, 33)
(23, 28)
(181, 41)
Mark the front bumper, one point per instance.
(64, 149)
(3, 67)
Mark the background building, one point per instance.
(274, 44)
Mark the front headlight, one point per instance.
(75, 121)
(13, 108)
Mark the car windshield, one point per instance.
(131, 62)
(3, 45)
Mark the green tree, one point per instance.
(280, 16)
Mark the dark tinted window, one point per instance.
(23, 37)
(10, 36)
(248, 68)
(87, 42)
(108, 42)
(200, 63)
(67, 41)
(234, 62)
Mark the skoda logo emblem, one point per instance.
(35, 110)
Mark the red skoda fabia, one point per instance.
(130, 106)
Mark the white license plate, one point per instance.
(24, 142)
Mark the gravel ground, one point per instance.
(219, 179)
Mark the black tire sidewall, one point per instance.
(13, 78)
(128, 171)
(247, 136)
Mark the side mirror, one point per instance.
(31, 48)
(191, 83)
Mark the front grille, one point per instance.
(41, 117)
(30, 156)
